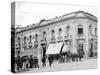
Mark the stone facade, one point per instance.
(78, 29)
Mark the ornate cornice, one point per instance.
(73, 15)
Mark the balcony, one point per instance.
(80, 35)
(35, 43)
(24, 45)
(30, 44)
(43, 41)
(65, 37)
(60, 39)
(17, 46)
(53, 40)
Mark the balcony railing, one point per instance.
(60, 39)
(80, 35)
(65, 37)
(43, 41)
(30, 44)
(35, 43)
(17, 46)
(24, 45)
(53, 40)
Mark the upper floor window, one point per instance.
(60, 30)
(68, 27)
(95, 31)
(44, 35)
(18, 40)
(30, 38)
(36, 37)
(52, 31)
(67, 30)
(90, 29)
(53, 34)
(24, 40)
(80, 29)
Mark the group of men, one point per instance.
(32, 62)
(50, 59)
(68, 56)
(25, 62)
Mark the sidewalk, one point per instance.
(56, 66)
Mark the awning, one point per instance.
(54, 48)
(66, 48)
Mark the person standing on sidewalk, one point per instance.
(31, 61)
(36, 62)
(43, 61)
(50, 58)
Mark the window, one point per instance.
(80, 46)
(19, 41)
(52, 31)
(53, 34)
(80, 29)
(90, 29)
(95, 31)
(24, 40)
(44, 35)
(60, 30)
(36, 36)
(30, 38)
(67, 30)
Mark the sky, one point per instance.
(27, 13)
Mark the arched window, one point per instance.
(67, 30)
(95, 31)
(80, 29)
(18, 40)
(36, 37)
(53, 34)
(90, 29)
(60, 30)
(44, 35)
(44, 32)
(52, 31)
(30, 38)
(24, 40)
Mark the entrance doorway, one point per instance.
(43, 50)
(91, 48)
(80, 47)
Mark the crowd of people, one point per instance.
(68, 56)
(27, 62)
